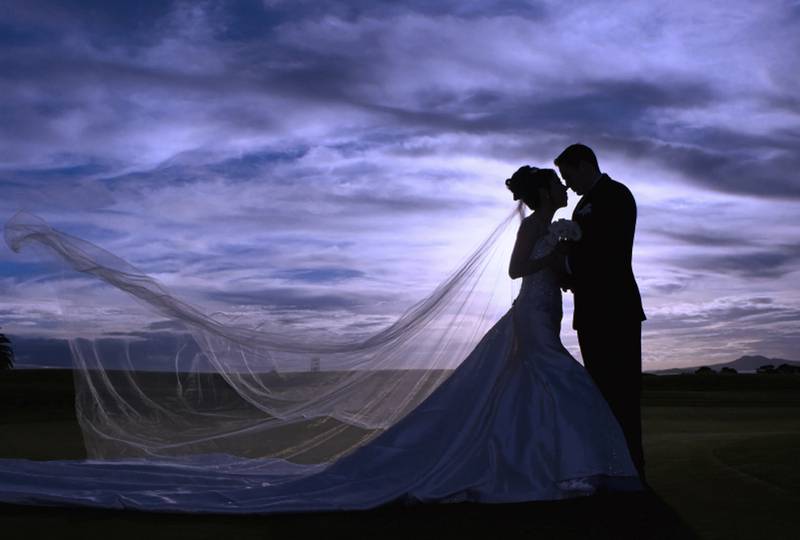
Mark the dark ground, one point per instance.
(722, 463)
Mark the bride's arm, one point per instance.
(520, 265)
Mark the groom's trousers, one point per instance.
(612, 354)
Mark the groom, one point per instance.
(608, 308)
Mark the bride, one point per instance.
(518, 420)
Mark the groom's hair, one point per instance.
(574, 154)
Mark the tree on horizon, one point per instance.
(704, 370)
(787, 369)
(6, 353)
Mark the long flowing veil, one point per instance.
(266, 389)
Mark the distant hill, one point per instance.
(745, 364)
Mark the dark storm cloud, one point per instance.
(667, 288)
(619, 107)
(289, 298)
(754, 311)
(766, 264)
(726, 161)
(166, 325)
(318, 275)
(705, 239)
(617, 113)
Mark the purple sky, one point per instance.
(295, 158)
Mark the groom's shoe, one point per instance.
(646, 487)
(643, 478)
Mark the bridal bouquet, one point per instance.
(565, 229)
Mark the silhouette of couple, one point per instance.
(519, 419)
(608, 311)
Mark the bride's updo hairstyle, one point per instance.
(527, 181)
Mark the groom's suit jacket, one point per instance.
(603, 285)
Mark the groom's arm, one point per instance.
(608, 235)
(561, 264)
(575, 259)
(618, 229)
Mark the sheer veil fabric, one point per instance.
(431, 408)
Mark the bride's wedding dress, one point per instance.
(518, 420)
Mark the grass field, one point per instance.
(723, 452)
(721, 459)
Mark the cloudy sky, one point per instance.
(335, 160)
